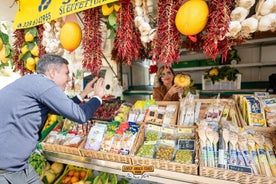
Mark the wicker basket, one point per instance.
(60, 148)
(161, 164)
(108, 155)
(242, 121)
(241, 177)
(104, 155)
(173, 119)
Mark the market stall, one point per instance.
(193, 140)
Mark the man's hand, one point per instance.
(99, 88)
(88, 88)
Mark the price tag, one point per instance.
(240, 168)
(186, 144)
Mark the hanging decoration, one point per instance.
(167, 43)
(127, 44)
(70, 36)
(92, 40)
(144, 8)
(6, 51)
(18, 37)
(215, 40)
(51, 37)
(41, 48)
(191, 18)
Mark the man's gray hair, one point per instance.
(49, 60)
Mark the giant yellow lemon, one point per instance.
(70, 36)
(191, 17)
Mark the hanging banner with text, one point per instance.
(33, 13)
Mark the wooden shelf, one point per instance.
(160, 176)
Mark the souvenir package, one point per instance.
(152, 132)
(95, 136)
(147, 150)
(165, 150)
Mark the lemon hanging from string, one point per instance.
(70, 36)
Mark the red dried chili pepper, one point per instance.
(127, 43)
(92, 40)
(168, 41)
(216, 29)
(18, 36)
(40, 37)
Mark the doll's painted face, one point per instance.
(167, 77)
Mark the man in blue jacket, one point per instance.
(24, 107)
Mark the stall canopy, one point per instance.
(33, 13)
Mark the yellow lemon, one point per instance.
(29, 37)
(213, 72)
(192, 17)
(30, 64)
(117, 7)
(3, 57)
(35, 51)
(1, 43)
(24, 49)
(107, 10)
(36, 60)
(70, 36)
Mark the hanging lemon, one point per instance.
(192, 16)
(107, 9)
(3, 57)
(24, 49)
(1, 43)
(30, 64)
(70, 36)
(29, 37)
(35, 51)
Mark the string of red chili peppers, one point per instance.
(92, 40)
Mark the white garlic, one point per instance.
(247, 4)
(239, 14)
(266, 7)
(144, 28)
(234, 29)
(145, 38)
(138, 2)
(149, 3)
(264, 23)
(249, 25)
(139, 11)
(138, 20)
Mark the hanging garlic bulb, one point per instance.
(274, 7)
(266, 7)
(239, 14)
(267, 22)
(234, 29)
(249, 25)
(247, 4)
(142, 21)
(51, 35)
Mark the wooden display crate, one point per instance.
(102, 155)
(242, 120)
(174, 116)
(240, 177)
(163, 164)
